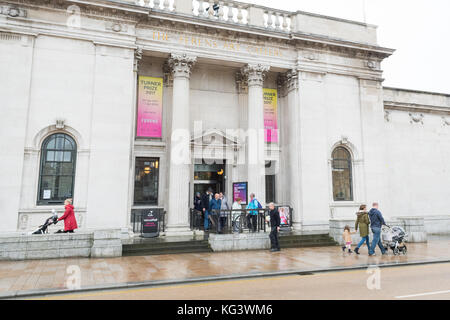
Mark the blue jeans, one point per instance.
(364, 239)
(376, 241)
(206, 222)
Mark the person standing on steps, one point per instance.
(363, 222)
(206, 199)
(253, 215)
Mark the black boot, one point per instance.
(357, 250)
(343, 249)
(350, 251)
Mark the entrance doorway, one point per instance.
(209, 174)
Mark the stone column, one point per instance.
(180, 157)
(293, 146)
(255, 74)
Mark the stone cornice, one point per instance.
(297, 38)
(139, 14)
(416, 108)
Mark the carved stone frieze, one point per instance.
(416, 118)
(13, 11)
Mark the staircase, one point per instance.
(292, 240)
(155, 246)
(162, 245)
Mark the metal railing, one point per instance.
(138, 214)
(236, 221)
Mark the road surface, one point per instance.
(430, 281)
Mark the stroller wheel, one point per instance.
(405, 250)
(396, 251)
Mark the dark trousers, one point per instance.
(274, 238)
(222, 224)
(252, 222)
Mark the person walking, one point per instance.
(224, 206)
(253, 215)
(376, 222)
(347, 236)
(275, 222)
(206, 199)
(237, 215)
(70, 223)
(362, 222)
(214, 207)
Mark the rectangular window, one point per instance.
(146, 181)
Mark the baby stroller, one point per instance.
(49, 221)
(394, 238)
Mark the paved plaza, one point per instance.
(20, 277)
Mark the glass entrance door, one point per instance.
(209, 176)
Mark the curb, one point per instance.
(155, 283)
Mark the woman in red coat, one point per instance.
(70, 223)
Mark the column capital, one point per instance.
(292, 80)
(137, 57)
(181, 64)
(255, 74)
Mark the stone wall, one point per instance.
(96, 244)
(241, 241)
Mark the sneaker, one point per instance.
(357, 250)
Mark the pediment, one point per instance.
(214, 138)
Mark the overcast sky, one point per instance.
(418, 29)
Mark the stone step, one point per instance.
(307, 245)
(301, 241)
(150, 246)
(310, 236)
(165, 251)
(166, 247)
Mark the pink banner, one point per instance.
(149, 115)
(270, 115)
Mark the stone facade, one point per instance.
(73, 69)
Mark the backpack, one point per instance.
(259, 205)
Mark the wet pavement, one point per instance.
(416, 282)
(34, 275)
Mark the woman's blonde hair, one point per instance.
(69, 200)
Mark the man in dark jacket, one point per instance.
(206, 198)
(376, 222)
(274, 227)
(214, 210)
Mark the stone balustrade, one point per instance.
(163, 5)
(228, 11)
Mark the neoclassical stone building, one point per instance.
(130, 104)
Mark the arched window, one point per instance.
(342, 175)
(57, 170)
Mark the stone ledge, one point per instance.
(239, 242)
(98, 243)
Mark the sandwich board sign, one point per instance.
(150, 223)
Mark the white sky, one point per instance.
(418, 29)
